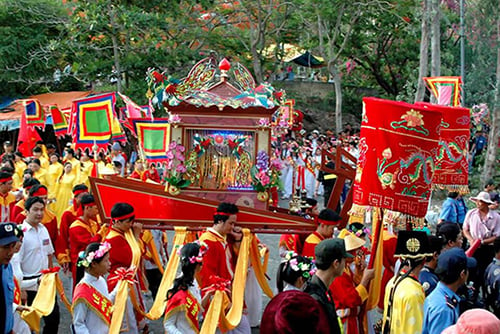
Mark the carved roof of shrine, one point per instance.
(224, 87)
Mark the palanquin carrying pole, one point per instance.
(157, 209)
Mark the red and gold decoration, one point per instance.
(451, 165)
(224, 158)
(97, 302)
(398, 145)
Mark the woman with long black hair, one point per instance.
(184, 303)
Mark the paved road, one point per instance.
(156, 326)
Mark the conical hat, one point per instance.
(352, 242)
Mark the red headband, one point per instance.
(7, 179)
(88, 204)
(40, 192)
(128, 215)
(216, 213)
(326, 222)
(79, 191)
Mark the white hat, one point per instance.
(316, 132)
(483, 196)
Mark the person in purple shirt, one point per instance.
(482, 225)
(441, 307)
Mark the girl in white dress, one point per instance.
(92, 303)
(295, 272)
(184, 303)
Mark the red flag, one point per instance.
(132, 109)
(28, 136)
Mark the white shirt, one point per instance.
(177, 323)
(86, 321)
(33, 254)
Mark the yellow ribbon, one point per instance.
(259, 268)
(44, 301)
(233, 317)
(160, 302)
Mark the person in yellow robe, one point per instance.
(404, 295)
(38, 154)
(19, 166)
(64, 189)
(38, 172)
(54, 171)
(75, 163)
(86, 169)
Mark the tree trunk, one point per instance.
(424, 52)
(257, 66)
(116, 51)
(338, 95)
(491, 158)
(435, 41)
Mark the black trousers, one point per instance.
(52, 320)
(154, 279)
(483, 255)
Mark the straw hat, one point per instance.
(483, 196)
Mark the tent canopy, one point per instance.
(10, 120)
(295, 54)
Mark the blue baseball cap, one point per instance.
(454, 260)
(8, 233)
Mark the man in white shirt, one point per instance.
(35, 255)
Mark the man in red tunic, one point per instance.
(350, 290)
(121, 256)
(84, 230)
(7, 199)
(139, 171)
(67, 218)
(19, 207)
(49, 219)
(223, 240)
(327, 220)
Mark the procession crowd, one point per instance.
(445, 281)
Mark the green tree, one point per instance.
(29, 30)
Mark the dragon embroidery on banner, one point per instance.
(418, 167)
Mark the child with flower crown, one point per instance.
(92, 303)
(294, 272)
(184, 303)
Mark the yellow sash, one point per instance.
(44, 301)
(160, 303)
